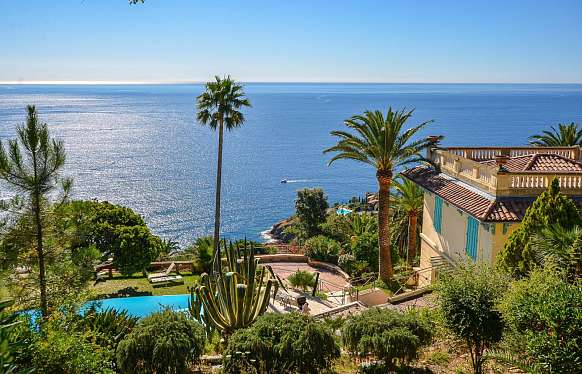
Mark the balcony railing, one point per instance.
(489, 153)
(463, 164)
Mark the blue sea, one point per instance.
(140, 146)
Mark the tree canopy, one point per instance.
(310, 207)
(117, 232)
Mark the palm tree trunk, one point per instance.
(384, 255)
(412, 224)
(218, 188)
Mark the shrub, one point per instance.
(347, 262)
(164, 342)
(136, 249)
(310, 208)
(322, 249)
(391, 336)
(62, 347)
(544, 314)
(11, 344)
(281, 344)
(115, 231)
(551, 208)
(467, 298)
(204, 252)
(64, 352)
(108, 327)
(365, 248)
(302, 279)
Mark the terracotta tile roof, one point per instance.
(540, 162)
(451, 191)
(480, 205)
(513, 209)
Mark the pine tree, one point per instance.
(551, 208)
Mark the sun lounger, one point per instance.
(164, 273)
(174, 279)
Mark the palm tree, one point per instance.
(167, 248)
(219, 107)
(31, 165)
(564, 136)
(560, 246)
(408, 197)
(382, 142)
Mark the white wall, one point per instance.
(452, 239)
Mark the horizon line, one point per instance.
(186, 82)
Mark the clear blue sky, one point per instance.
(292, 40)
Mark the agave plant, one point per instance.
(236, 292)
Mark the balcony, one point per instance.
(485, 168)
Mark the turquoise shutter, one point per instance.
(438, 214)
(472, 237)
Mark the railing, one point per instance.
(463, 164)
(480, 175)
(512, 183)
(287, 248)
(420, 276)
(489, 153)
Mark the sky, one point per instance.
(520, 41)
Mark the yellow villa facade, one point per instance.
(475, 197)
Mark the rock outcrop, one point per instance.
(278, 230)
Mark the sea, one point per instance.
(140, 145)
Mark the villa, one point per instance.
(476, 197)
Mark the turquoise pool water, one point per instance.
(142, 306)
(343, 211)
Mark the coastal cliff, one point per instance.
(278, 233)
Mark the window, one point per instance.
(472, 237)
(438, 213)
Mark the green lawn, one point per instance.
(137, 285)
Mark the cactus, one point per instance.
(235, 293)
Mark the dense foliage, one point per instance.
(551, 208)
(62, 351)
(310, 209)
(544, 317)
(563, 248)
(468, 296)
(321, 248)
(10, 343)
(365, 250)
(163, 343)
(391, 336)
(108, 327)
(117, 232)
(281, 344)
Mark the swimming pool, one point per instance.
(143, 306)
(343, 211)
